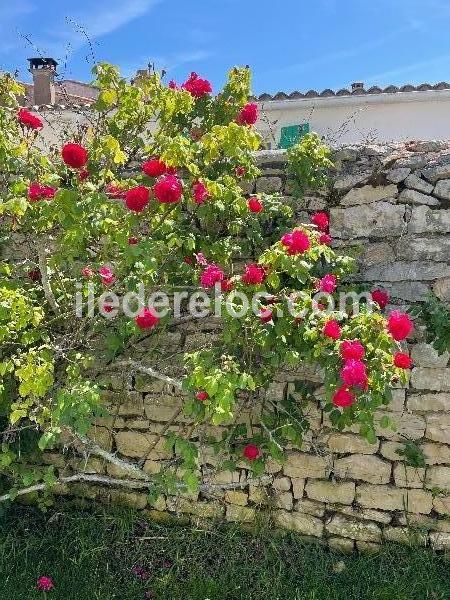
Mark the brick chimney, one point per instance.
(43, 71)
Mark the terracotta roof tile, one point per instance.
(328, 93)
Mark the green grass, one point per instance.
(90, 555)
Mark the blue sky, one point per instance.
(290, 44)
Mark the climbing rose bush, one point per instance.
(120, 203)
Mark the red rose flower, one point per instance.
(196, 86)
(83, 175)
(88, 272)
(168, 189)
(147, 319)
(107, 276)
(202, 395)
(332, 329)
(137, 198)
(321, 220)
(399, 325)
(107, 308)
(265, 315)
(248, 115)
(114, 191)
(45, 584)
(29, 120)
(343, 397)
(402, 360)
(328, 284)
(255, 205)
(211, 275)
(132, 241)
(251, 452)
(325, 239)
(74, 155)
(352, 349)
(200, 192)
(36, 192)
(34, 275)
(173, 85)
(254, 274)
(154, 167)
(354, 373)
(296, 242)
(381, 297)
(240, 171)
(226, 285)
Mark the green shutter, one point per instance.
(292, 134)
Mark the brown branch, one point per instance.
(135, 366)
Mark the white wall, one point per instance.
(346, 120)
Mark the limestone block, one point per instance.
(367, 547)
(346, 182)
(353, 529)
(240, 514)
(269, 185)
(301, 466)
(329, 491)
(205, 510)
(423, 248)
(258, 495)
(365, 467)
(405, 535)
(131, 499)
(379, 219)
(416, 183)
(299, 522)
(424, 355)
(101, 436)
(434, 174)
(408, 196)
(368, 194)
(367, 514)
(438, 427)
(310, 507)
(376, 254)
(284, 500)
(404, 425)
(389, 450)
(407, 271)
(237, 497)
(298, 485)
(441, 504)
(438, 477)
(442, 189)
(441, 288)
(162, 408)
(339, 544)
(398, 175)
(408, 476)
(346, 443)
(425, 220)
(423, 378)
(440, 541)
(137, 445)
(429, 402)
(436, 454)
(388, 497)
(282, 484)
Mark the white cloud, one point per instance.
(97, 19)
(437, 61)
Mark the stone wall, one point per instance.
(391, 206)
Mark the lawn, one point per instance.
(105, 555)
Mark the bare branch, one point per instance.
(42, 255)
(135, 366)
